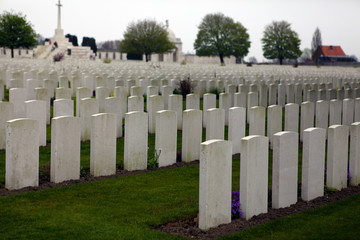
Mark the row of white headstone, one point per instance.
(326, 113)
(137, 129)
(216, 171)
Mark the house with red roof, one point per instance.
(327, 54)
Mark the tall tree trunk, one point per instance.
(221, 58)
(12, 51)
(281, 60)
(146, 57)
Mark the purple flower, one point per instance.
(235, 205)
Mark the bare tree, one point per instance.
(315, 44)
(252, 60)
(305, 56)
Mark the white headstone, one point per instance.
(273, 94)
(166, 137)
(354, 162)
(22, 153)
(135, 103)
(290, 93)
(154, 103)
(254, 175)
(6, 114)
(225, 103)
(215, 123)
(337, 157)
(313, 163)
(176, 104)
(335, 112)
(257, 121)
(281, 94)
(191, 135)
(88, 107)
(209, 102)
(65, 149)
(237, 127)
(348, 112)
(43, 94)
(113, 105)
(31, 84)
(103, 144)
(240, 99)
(285, 169)
(136, 91)
(292, 117)
(252, 101)
(136, 141)
(101, 94)
(17, 96)
(357, 110)
(63, 93)
(166, 91)
(152, 90)
(36, 109)
(322, 114)
(215, 184)
(307, 117)
(298, 93)
(81, 92)
(63, 107)
(192, 101)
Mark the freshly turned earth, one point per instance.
(187, 226)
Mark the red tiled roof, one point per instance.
(332, 51)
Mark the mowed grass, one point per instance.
(128, 208)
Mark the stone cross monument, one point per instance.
(59, 15)
(59, 33)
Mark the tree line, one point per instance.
(218, 35)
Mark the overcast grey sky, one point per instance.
(338, 20)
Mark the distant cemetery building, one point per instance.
(331, 54)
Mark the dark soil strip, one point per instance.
(187, 226)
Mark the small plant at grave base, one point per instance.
(44, 173)
(329, 190)
(176, 91)
(153, 162)
(318, 66)
(215, 91)
(235, 205)
(222, 65)
(178, 156)
(107, 60)
(83, 172)
(183, 62)
(185, 86)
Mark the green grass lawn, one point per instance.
(128, 208)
